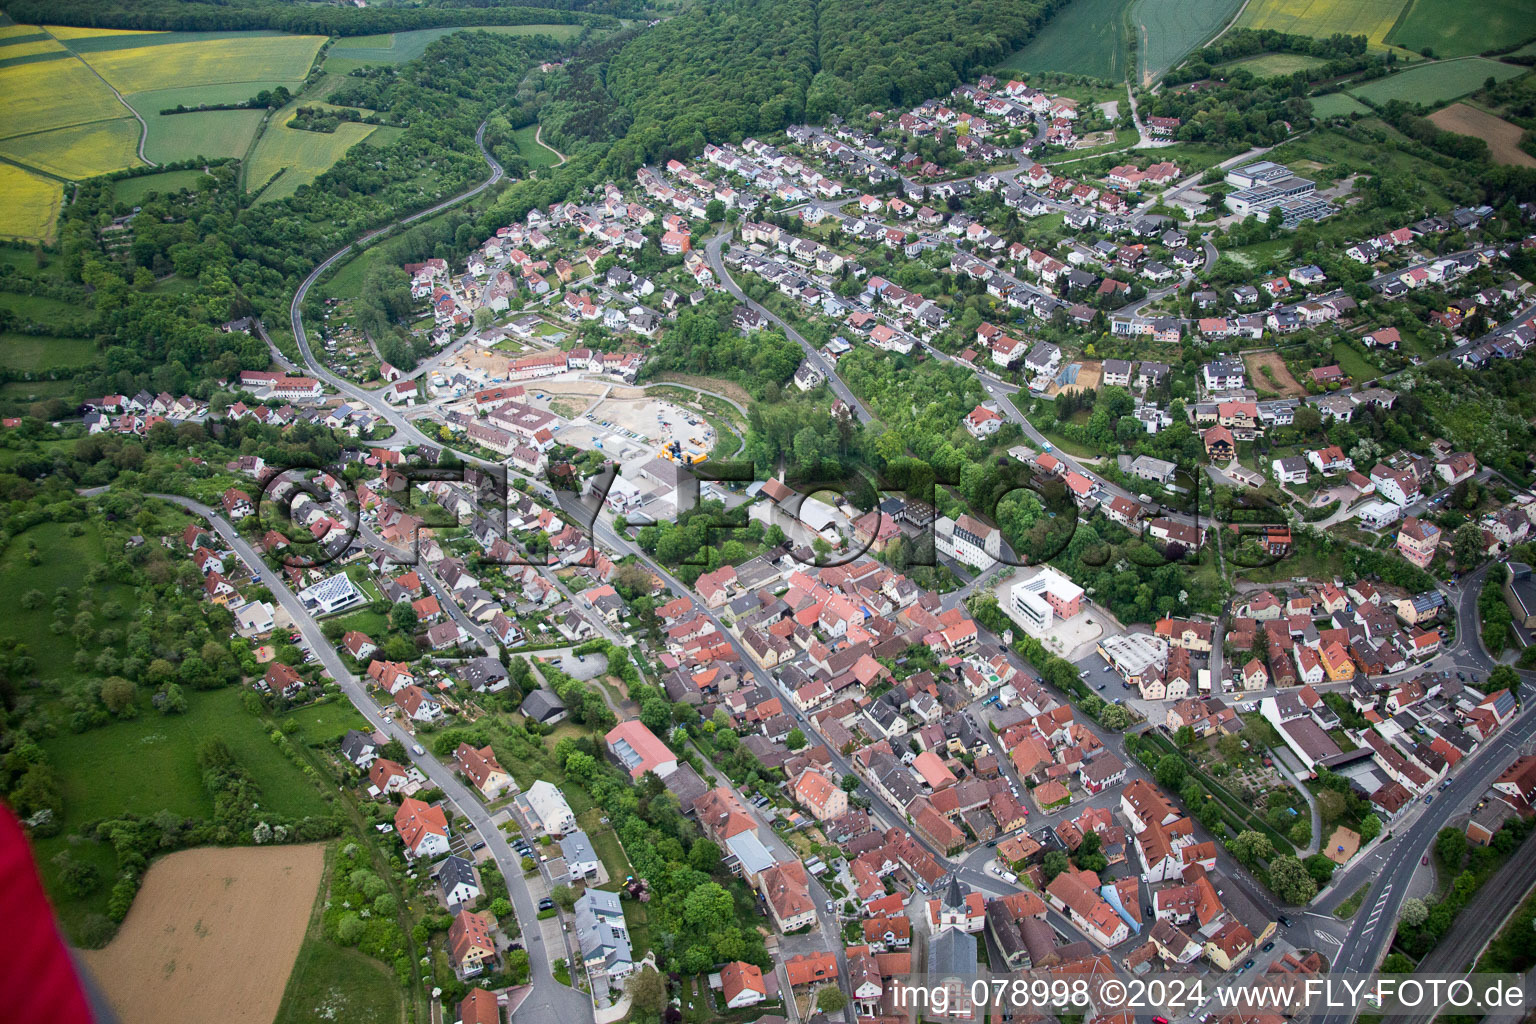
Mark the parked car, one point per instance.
(479, 846)
(1268, 946)
(418, 751)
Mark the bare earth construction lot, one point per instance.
(1502, 137)
(206, 930)
(1277, 379)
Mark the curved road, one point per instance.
(1391, 864)
(549, 1000)
(403, 427)
(712, 250)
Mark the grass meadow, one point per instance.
(33, 353)
(356, 52)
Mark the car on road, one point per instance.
(418, 751)
(1159, 1020)
(1447, 783)
(1285, 922)
(831, 906)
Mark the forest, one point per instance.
(310, 19)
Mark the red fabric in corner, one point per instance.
(36, 972)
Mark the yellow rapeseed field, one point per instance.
(69, 32)
(28, 204)
(1321, 18)
(206, 62)
(80, 151)
(52, 94)
(28, 49)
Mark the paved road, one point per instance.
(549, 1000)
(1392, 863)
(404, 429)
(712, 250)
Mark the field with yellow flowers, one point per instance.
(31, 204)
(62, 119)
(167, 60)
(1322, 18)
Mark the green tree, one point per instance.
(708, 907)
(117, 694)
(795, 740)
(1251, 847)
(1290, 881)
(647, 991)
(1468, 546)
(402, 618)
(1169, 771)
(1370, 827)
(1451, 847)
(831, 999)
(1054, 864)
(1413, 912)
(564, 897)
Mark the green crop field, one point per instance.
(1338, 104)
(536, 153)
(210, 133)
(355, 52)
(1087, 37)
(16, 396)
(1268, 65)
(1458, 29)
(30, 352)
(1166, 30)
(1435, 83)
(299, 156)
(133, 190)
(1322, 18)
(149, 764)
